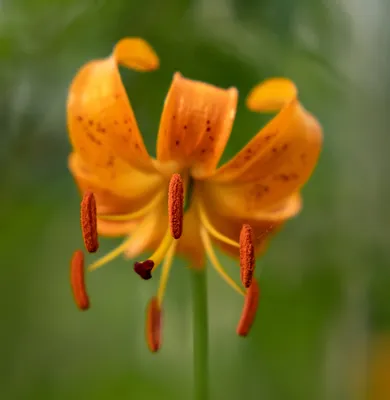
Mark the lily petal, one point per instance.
(101, 122)
(264, 223)
(195, 125)
(232, 228)
(148, 233)
(271, 95)
(136, 191)
(137, 54)
(116, 228)
(240, 207)
(277, 162)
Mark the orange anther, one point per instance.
(153, 325)
(250, 307)
(88, 222)
(247, 255)
(77, 280)
(175, 205)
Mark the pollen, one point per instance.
(247, 255)
(77, 280)
(153, 325)
(144, 269)
(249, 311)
(89, 222)
(175, 205)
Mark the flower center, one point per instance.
(180, 195)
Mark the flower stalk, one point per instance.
(200, 334)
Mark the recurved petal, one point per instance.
(147, 235)
(195, 125)
(236, 203)
(136, 53)
(264, 223)
(139, 189)
(102, 126)
(115, 228)
(276, 163)
(136, 188)
(231, 227)
(285, 150)
(271, 95)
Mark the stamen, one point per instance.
(137, 214)
(77, 280)
(144, 269)
(110, 256)
(250, 307)
(88, 222)
(247, 255)
(216, 264)
(175, 205)
(153, 325)
(165, 272)
(212, 231)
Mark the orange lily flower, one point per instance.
(259, 187)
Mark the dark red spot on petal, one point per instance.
(93, 138)
(110, 161)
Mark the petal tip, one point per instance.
(136, 53)
(271, 95)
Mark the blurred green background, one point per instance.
(323, 328)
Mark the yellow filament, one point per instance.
(212, 231)
(137, 214)
(162, 249)
(110, 256)
(135, 242)
(215, 262)
(165, 272)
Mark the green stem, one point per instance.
(200, 333)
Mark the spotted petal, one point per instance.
(101, 122)
(278, 160)
(195, 126)
(228, 221)
(135, 192)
